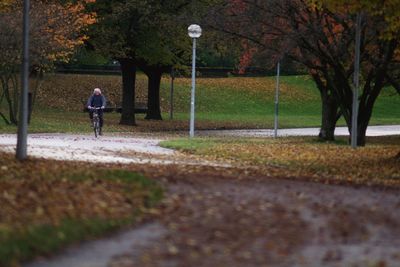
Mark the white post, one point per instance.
(192, 101)
(23, 109)
(354, 119)
(278, 72)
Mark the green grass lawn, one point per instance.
(235, 102)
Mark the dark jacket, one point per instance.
(96, 101)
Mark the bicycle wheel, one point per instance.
(96, 128)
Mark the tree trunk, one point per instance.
(7, 94)
(153, 73)
(128, 68)
(329, 118)
(329, 110)
(365, 113)
(373, 85)
(361, 133)
(153, 98)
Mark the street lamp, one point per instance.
(194, 32)
(23, 111)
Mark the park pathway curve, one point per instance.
(106, 149)
(215, 215)
(217, 220)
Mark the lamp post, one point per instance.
(354, 119)
(194, 32)
(23, 111)
(278, 72)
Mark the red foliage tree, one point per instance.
(323, 41)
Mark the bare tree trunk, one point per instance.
(153, 73)
(329, 118)
(153, 98)
(128, 68)
(38, 75)
(330, 108)
(7, 94)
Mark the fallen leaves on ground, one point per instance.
(67, 91)
(307, 158)
(257, 86)
(232, 217)
(37, 193)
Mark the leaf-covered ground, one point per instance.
(48, 204)
(233, 216)
(305, 158)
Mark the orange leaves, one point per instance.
(47, 204)
(303, 157)
(43, 192)
(246, 56)
(6, 4)
(56, 29)
(65, 25)
(388, 10)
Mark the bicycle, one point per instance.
(96, 121)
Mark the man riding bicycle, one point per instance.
(97, 100)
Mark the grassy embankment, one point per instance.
(46, 205)
(305, 158)
(220, 103)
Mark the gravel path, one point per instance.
(112, 149)
(107, 149)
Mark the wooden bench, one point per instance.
(139, 108)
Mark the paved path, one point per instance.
(100, 252)
(88, 148)
(112, 149)
(106, 149)
(340, 131)
(225, 222)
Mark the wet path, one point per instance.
(263, 222)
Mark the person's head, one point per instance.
(97, 91)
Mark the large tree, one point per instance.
(322, 39)
(56, 28)
(150, 35)
(114, 36)
(163, 43)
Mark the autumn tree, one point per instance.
(322, 39)
(114, 36)
(55, 30)
(150, 35)
(388, 11)
(163, 43)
